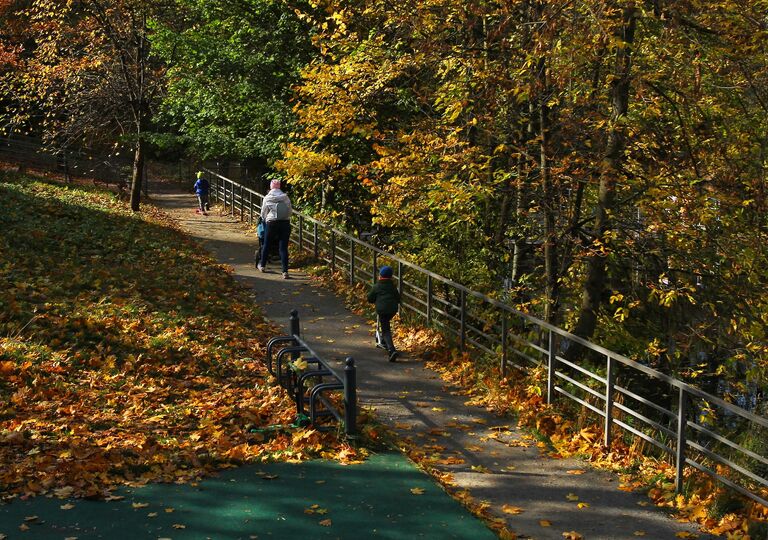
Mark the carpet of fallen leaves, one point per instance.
(565, 437)
(568, 437)
(126, 354)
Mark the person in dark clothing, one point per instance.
(386, 297)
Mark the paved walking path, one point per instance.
(415, 402)
(309, 500)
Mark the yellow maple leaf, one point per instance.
(509, 509)
(572, 497)
(417, 491)
(572, 535)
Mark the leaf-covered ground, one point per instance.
(126, 354)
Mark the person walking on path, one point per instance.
(276, 211)
(387, 299)
(201, 190)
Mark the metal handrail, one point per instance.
(344, 252)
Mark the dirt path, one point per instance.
(506, 470)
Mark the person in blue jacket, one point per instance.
(201, 189)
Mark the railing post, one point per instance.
(463, 333)
(682, 422)
(333, 251)
(250, 207)
(351, 262)
(316, 247)
(374, 266)
(350, 397)
(610, 379)
(429, 300)
(224, 189)
(301, 232)
(242, 204)
(551, 361)
(400, 280)
(232, 198)
(504, 330)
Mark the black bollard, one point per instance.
(350, 397)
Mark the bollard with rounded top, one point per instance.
(294, 330)
(350, 397)
(293, 326)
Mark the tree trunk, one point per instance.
(138, 174)
(594, 283)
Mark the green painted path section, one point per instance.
(370, 500)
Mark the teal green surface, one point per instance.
(371, 500)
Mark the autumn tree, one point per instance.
(609, 156)
(87, 76)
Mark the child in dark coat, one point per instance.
(387, 299)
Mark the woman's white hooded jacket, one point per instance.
(276, 206)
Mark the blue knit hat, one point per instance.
(385, 272)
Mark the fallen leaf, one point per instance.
(686, 534)
(639, 533)
(545, 523)
(179, 526)
(23, 527)
(572, 535)
(326, 522)
(583, 505)
(169, 510)
(152, 514)
(31, 518)
(68, 506)
(575, 471)
(572, 497)
(509, 509)
(139, 505)
(417, 491)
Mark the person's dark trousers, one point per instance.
(386, 331)
(280, 229)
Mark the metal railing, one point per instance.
(312, 386)
(690, 426)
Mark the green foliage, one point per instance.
(231, 69)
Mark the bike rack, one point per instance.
(326, 379)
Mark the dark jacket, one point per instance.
(386, 297)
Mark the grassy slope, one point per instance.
(126, 354)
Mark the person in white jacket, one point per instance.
(276, 212)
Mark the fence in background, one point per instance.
(688, 425)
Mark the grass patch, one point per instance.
(127, 355)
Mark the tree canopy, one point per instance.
(601, 164)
